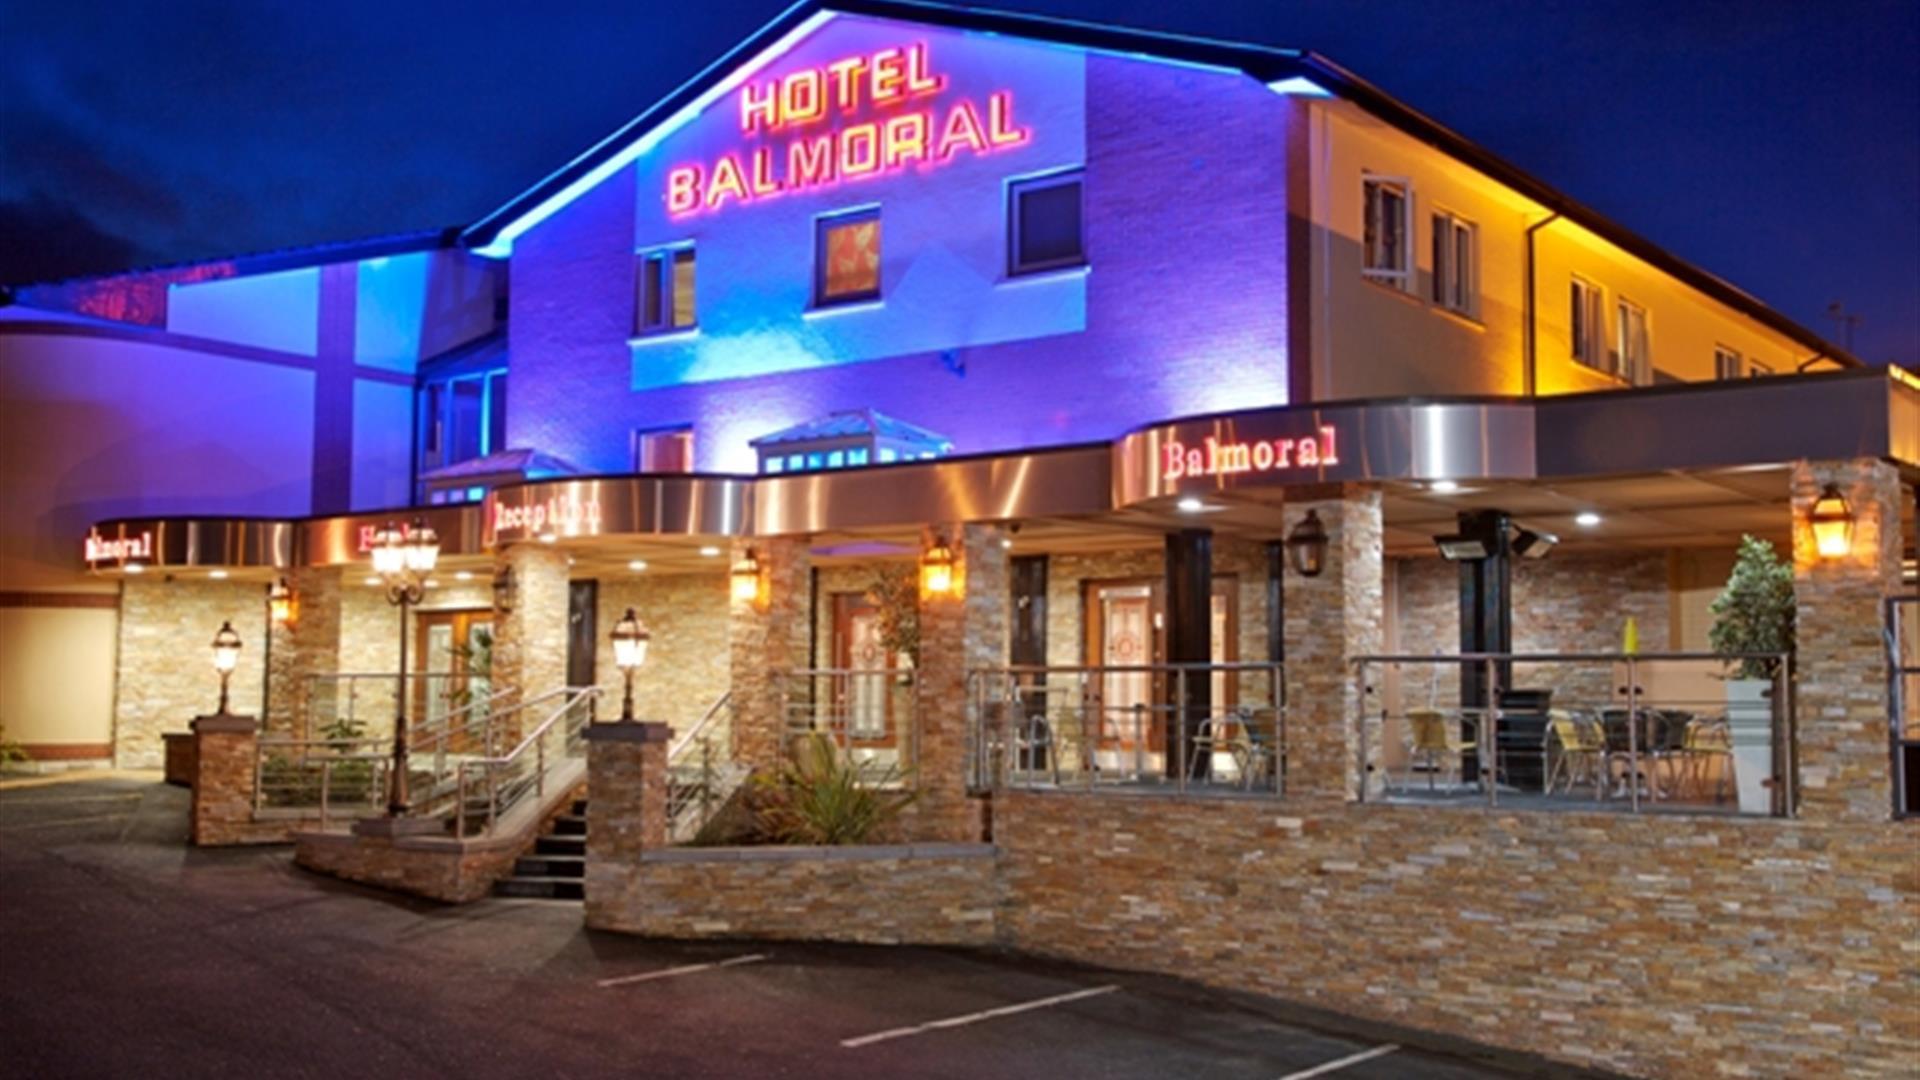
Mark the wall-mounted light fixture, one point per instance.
(503, 589)
(936, 569)
(1533, 544)
(226, 657)
(1307, 545)
(280, 602)
(1832, 523)
(746, 578)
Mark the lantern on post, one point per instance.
(1832, 523)
(630, 639)
(403, 557)
(936, 569)
(226, 657)
(1307, 545)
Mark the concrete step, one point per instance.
(560, 845)
(541, 888)
(570, 825)
(551, 866)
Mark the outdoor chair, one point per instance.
(1435, 738)
(1707, 749)
(1577, 747)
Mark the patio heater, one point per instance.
(403, 557)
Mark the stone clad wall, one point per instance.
(925, 894)
(687, 656)
(165, 669)
(1658, 946)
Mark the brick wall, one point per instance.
(165, 671)
(1658, 946)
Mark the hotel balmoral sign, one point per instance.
(857, 117)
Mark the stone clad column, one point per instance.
(306, 646)
(1329, 620)
(530, 640)
(1841, 658)
(959, 632)
(765, 636)
(223, 778)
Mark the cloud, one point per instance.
(45, 239)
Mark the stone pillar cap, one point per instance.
(225, 724)
(642, 731)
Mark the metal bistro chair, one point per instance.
(1577, 749)
(1034, 750)
(1435, 738)
(1707, 747)
(1232, 733)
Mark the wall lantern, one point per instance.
(936, 569)
(503, 589)
(280, 602)
(1832, 523)
(630, 639)
(226, 657)
(746, 578)
(1307, 545)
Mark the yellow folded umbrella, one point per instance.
(1630, 640)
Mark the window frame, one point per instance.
(1728, 363)
(1590, 350)
(825, 223)
(1020, 186)
(658, 265)
(1402, 277)
(1630, 367)
(1463, 298)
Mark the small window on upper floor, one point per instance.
(1636, 348)
(1726, 363)
(1756, 369)
(1387, 231)
(1044, 223)
(846, 257)
(663, 450)
(663, 291)
(1454, 264)
(1587, 326)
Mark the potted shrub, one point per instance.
(1754, 613)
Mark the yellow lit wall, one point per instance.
(56, 675)
(1372, 340)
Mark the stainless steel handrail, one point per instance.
(536, 740)
(680, 744)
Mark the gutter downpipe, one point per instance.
(1530, 372)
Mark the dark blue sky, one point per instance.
(1777, 144)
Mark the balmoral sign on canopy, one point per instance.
(855, 117)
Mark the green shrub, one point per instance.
(820, 797)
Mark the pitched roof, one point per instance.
(528, 464)
(853, 423)
(1268, 64)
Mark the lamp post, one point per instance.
(630, 639)
(226, 657)
(403, 557)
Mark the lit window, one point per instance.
(663, 450)
(1636, 352)
(476, 494)
(887, 454)
(847, 257)
(771, 465)
(1756, 369)
(794, 461)
(857, 456)
(1453, 263)
(836, 459)
(1043, 224)
(1386, 247)
(664, 291)
(1726, 363)
(1587, 321)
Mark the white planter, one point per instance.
(1750, 724)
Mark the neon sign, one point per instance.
(560, 513)
(787, 112)
(1216, 458)
(101, 549)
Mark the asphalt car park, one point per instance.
(127, 952)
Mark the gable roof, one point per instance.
(854, 423)
(1267, 64)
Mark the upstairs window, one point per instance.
(846, 257)
(1387, 232)
(663, 291)
(1636, 351)
(663, 450)
(1454, 264)
(1588, 326)
(1756, 369)
(1726, 363)
(1044, 224)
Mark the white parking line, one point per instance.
(974, 1018)
(666, 973)
(11, 826)
(1341, 1063)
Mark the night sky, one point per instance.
(1777, 144)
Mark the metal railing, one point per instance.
(362, 701)
(869, 715)
(488, 788)
(1902, 630)
(1694, 731)
(1139, 726)
(321, 778)
(700, 777)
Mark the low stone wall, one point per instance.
(922, 894)
(435, 867)
(1653, 945)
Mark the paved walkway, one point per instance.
(128, 953)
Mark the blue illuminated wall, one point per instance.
(279, 311)
(1182, 310)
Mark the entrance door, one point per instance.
(454, 653)
(583, 608)
(863, 694)
(1125, 628)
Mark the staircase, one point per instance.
(557, 867)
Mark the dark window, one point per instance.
(1044, 224)
(496, 412)
(846, 257)
(664, 292)
(430, 423)
(465, 420)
